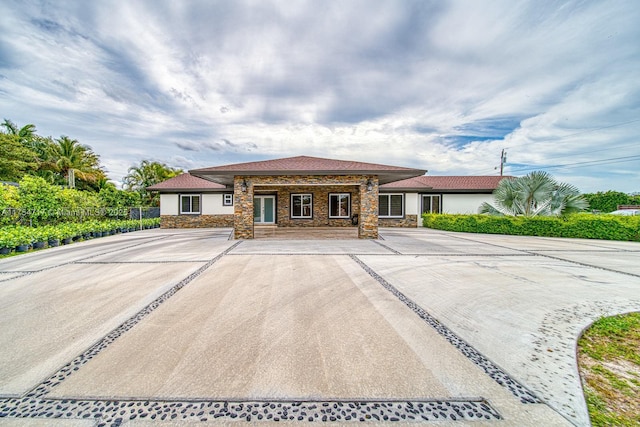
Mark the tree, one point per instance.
(15, 158)
(536, 194)
(146, 174)
(24, 134)
(73, 159)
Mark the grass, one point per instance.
(609, 362)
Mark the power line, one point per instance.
(612, 160)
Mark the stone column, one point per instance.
(368, 226)
(242, 208)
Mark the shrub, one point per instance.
(585, 226)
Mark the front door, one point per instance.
(264, 209)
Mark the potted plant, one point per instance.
(39, 239)
(8, 240)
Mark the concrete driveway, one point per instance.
(174, 327)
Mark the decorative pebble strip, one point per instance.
(390, 249)
(115, 412)
(497, 374)
(46, 386)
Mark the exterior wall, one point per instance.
(464, 203)
(213, 213)
(409, 221)
(411, 204)
(196, 221)
(169, 204)
(212, 205)
(363, 201)
(320, 196)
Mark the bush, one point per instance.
(584, 226)
(38, 199)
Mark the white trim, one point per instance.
(190, 196)
(226, 202)
(302, 205)
(389, 205)
(348, 214)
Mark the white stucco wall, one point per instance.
(412, 204)
(169, 204)
(212, 205)
(464, 203)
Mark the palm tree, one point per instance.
(146, 174)
(74, 159)
(536, 194)
(24, 134)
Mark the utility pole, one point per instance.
(503, 160)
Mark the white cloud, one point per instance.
(442, 86)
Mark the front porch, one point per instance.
(328, 206)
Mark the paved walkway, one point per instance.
(174, 327)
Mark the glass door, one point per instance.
(264, 209)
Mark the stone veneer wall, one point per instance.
(320, 197)
(408, 221)
(363, 201)
(196, 221)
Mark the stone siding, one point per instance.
(320, 196)
(409, 221)
(363, 202)
(196, 221)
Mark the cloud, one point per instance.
(443, 86)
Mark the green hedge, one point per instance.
(583, 226)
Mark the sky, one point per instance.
(442, 85)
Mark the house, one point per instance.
(442, 194)
(308, 191)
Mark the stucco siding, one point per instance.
(212, 205)
(412, 204)
(169, 204)
(464, 203)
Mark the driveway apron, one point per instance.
(173, 327)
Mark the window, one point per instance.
(340, 205)
(391, 205)
(301, 206)
(189, 204)
(430, 204)
(227, 199)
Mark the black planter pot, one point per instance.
(52, 243)
(22, 248)
(67, 241)
(5, 251)
(38, 245)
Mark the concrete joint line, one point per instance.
(387, 247)
(491, 369)
(556, 258)
(57, 378)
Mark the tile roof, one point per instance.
(306, 165)
(186, 182)
(451, 183)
